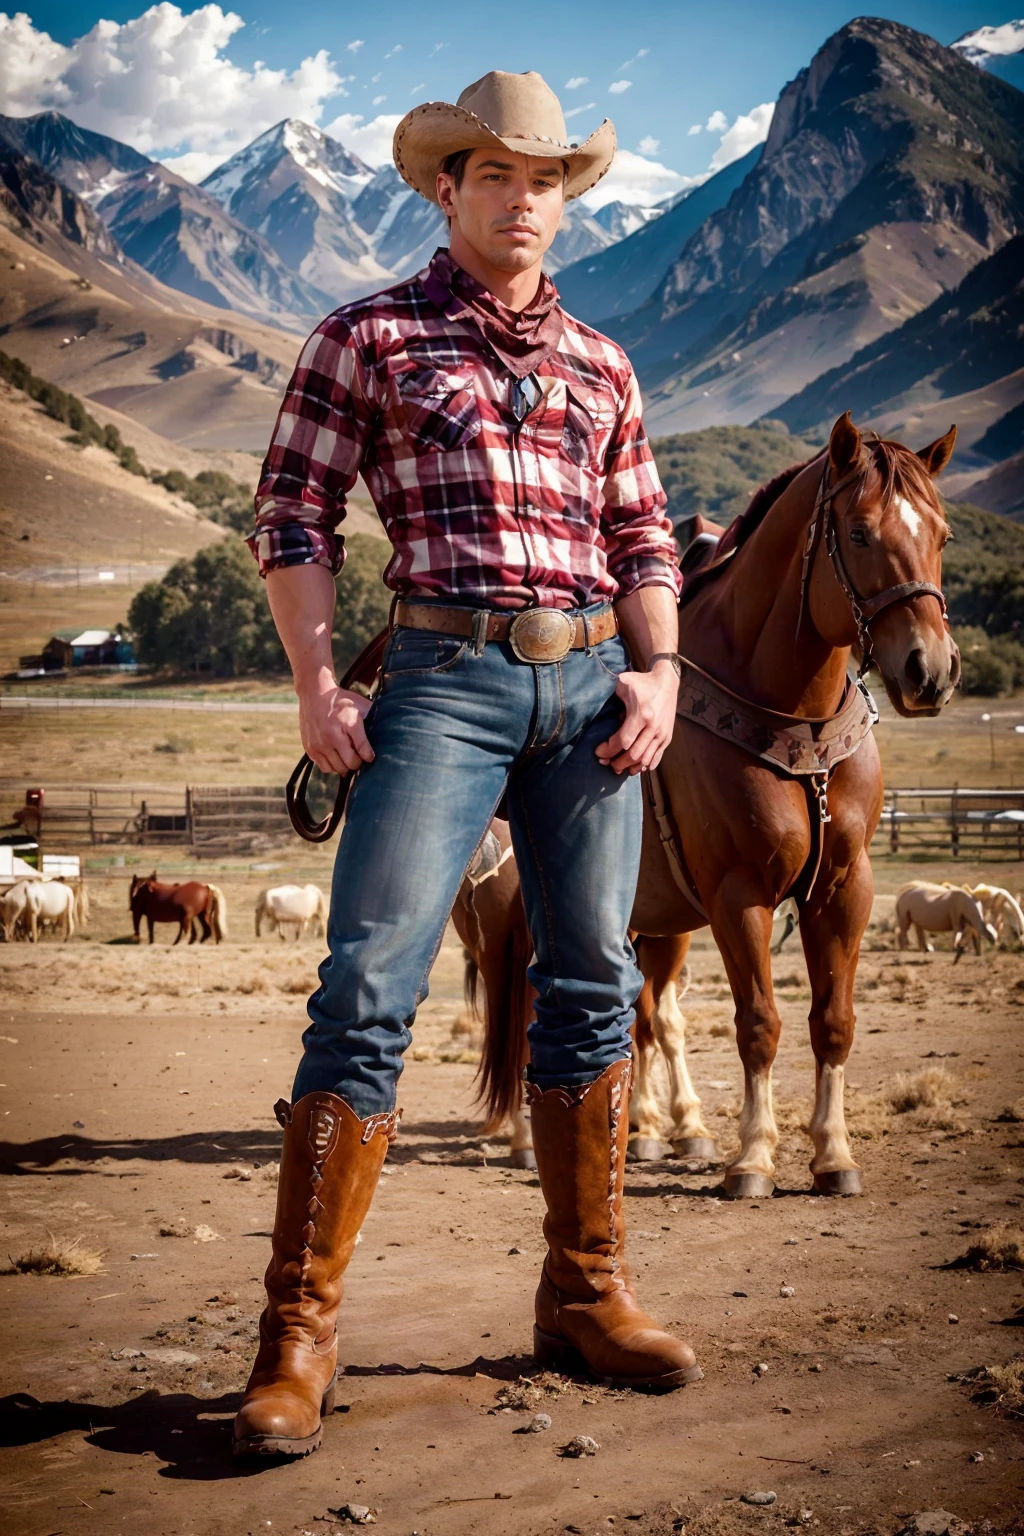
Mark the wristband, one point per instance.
(672, 656)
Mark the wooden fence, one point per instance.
(962, 823)
(216, 820)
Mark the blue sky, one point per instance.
(657, 69)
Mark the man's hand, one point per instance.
(650, 700)
(331, 727)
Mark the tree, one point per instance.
(208, 614)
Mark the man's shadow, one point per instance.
(192, 1435)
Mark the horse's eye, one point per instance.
(859, 536)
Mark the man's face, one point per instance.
(508, 207)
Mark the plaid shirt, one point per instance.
(562, 511)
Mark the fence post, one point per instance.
(894, 826)
(955, 833)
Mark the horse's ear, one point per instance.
(844, 446)
(938, 454)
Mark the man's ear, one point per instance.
(446, 193)
(844, 446)
(938, 454)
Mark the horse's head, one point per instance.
(884, 538)
(140, 885)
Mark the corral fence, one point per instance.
(969, 823)
(215, 820)
(212, 820)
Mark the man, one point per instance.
(502, 444)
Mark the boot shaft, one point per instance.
(580, 1135)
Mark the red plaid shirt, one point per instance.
(562, 511)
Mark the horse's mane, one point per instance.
(901, 471)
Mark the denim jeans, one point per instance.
(451, 732)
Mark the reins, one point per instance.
(863, 609)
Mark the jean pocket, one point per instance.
(612, 656)
(422, 651)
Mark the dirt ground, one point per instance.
(119, 1387)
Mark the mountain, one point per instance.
(297, 188)
(960, 355)
(891, 168)
(90, 164)
(184, 237)
(621, 219)
(624, 277)
(35, 204)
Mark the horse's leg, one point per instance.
(149, 924)
(689, 1135)
(924, 944)
(743, 933)
(204, 924)
(831, 929)
(521, 1148)
(902, 930)
(648, 1145)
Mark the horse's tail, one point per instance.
(321, 910)
(217, 912)
(261, 907)
(470, 977)
(504, 1051)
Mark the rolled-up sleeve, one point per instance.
(314, 457)
(641, 549)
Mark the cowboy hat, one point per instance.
(520, 112)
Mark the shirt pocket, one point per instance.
(440, 409)
(589, 421)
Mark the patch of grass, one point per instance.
(1001, 1386)
(1001, 1247)
(926, 1097)
(60, 1256)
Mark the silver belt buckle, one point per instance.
(542, 635)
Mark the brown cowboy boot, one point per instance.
(585, 1302)
(330, 1164)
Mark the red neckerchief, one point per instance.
(523, 339)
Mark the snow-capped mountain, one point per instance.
(90, 164)
(621, 219)
(989, 43)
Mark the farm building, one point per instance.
(88, 648)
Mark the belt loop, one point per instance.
(481, 624)
(586, 633)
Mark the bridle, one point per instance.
(863, 609)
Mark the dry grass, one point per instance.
(60, 1256)
(1001, 1386)
(927, 1099)
(1001, 1247)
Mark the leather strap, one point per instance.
(465, 622)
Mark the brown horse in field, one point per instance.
(839, 553)
(182, 904)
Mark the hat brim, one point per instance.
(430, 132)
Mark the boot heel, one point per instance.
(554, 1354)
(327, 1401)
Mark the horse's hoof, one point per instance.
(647, 1149)
(841, 1181)
(703, 1148)
(524, 1157)
(748, 1186)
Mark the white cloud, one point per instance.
(355, 46)
(576, 81)
(750, 128)
(635, 179)
(392, 51)
(195, 165)
(648, 146)
(717, 123)
(577, 110)
(378, 99)
(618, 86)
(436, 49)
(417, 88)
(989, 43)
(160, 82)
(694, 128)
(371, 141)
(641, 53)
(376, 77)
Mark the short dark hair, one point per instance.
(454, 165)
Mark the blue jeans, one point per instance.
(451, 732)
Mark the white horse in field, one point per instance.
(39, 903)
(940, 909)
(292, 906)
(1000, 909)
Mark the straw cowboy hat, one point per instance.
(520, 112)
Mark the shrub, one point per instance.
(208, 614)
(989, 666)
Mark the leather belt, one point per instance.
(539, 635)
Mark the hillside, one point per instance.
(621, 279)
(892, 167)
(966, 341)
(983, 570)
(717, 470)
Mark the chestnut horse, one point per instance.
(182, 904)
(838, 553)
